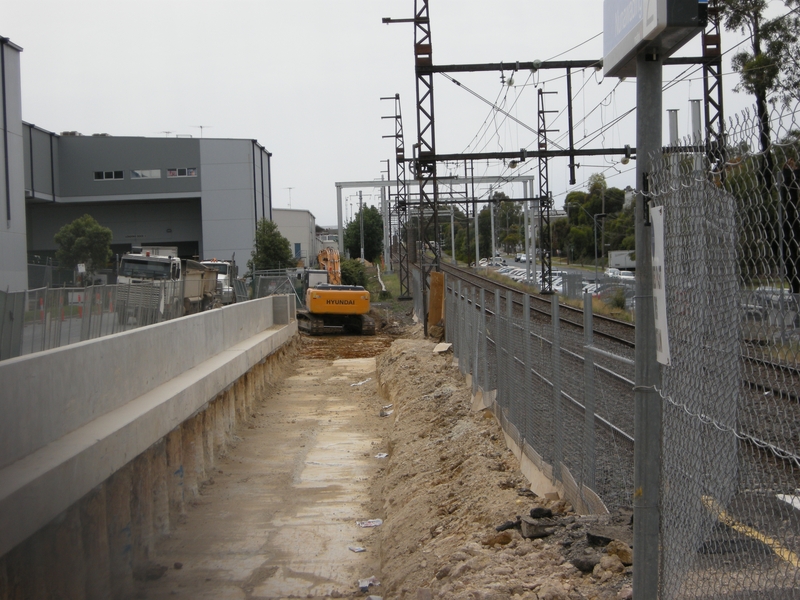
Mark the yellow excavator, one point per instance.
(330, 306)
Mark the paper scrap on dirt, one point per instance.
(361, 382)
(370, 523)
(381, 455)
(357, 549)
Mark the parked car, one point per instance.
(611, 273)
(627, 276)
(497, 261)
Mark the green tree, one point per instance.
(84, 241)
(272, 250)
(353, 272)
(373, 234)
(769, 65)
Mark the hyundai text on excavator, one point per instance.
(330, 306)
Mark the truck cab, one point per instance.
(226, 272)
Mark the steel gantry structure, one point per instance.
(425, 157)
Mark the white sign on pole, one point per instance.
(626, 24)
(664, 26)
(659, 289)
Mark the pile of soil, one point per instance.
(457, 509)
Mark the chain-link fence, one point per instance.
(271, 283)
(566, 403)
(730, 501)
(45, 318)
(730, 468)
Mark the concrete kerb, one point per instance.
(166, 427)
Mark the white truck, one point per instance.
(226, 273)
(622, 259)
(156, 285)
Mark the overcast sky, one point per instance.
(305, 78)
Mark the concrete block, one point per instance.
(120, 540)
(280, 310)
(177, 507)
(95, 544)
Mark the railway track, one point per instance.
(619, 332)
(772, 389)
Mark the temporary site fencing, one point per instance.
(45, 318)
(730, 395)
(278, 281)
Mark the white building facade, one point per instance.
(299, 227)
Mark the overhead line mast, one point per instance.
(401, 200)
(425, 157)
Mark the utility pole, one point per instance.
(453, 234)
(647, 402)
(361, 218)
(387, 223)
(491, 215)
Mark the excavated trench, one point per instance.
(279, 516)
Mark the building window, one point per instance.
(103, 175)
(146, 174)
(184, 172)
(298, 252)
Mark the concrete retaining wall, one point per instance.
(102, 443)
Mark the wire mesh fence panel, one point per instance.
(272, 285)
(731, 422)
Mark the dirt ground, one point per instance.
(453, 498)
(453, 503)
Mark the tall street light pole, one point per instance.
(594, 219)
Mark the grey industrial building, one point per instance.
(204, 196)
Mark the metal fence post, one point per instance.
(526, 316)
(511, 353)
(460, 335)
(485, 343)
(498, 344)
(589, 461)
(558, 406)
(475, 338)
